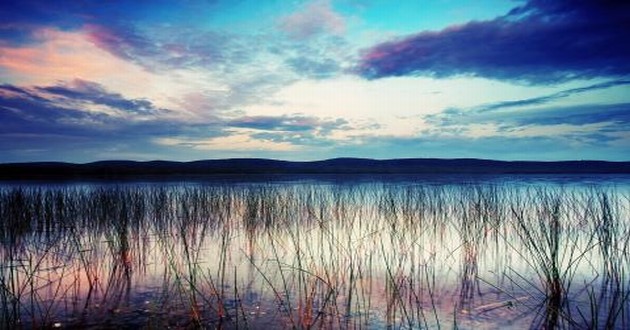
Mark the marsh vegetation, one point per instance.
(310, 254)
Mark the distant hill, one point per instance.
(130, 169)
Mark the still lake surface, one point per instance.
(482, 252)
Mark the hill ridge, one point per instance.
(342, 165)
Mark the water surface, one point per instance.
(320, 251)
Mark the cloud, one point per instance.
(251, 135)
(288, 123)
(544, 122)
(575, 144)
(164, 48)
(540, 111)
(122, 40)
(290, 130)
(310, 47)
(57, 55)
(314, 68)
(77, 107)
(161, 36)
(574, 115)
(250, 68)
(236, 142)
(84, 115)
(539, 42)
(231, 72)
(310, 139)
(94, 93)
(21, 16)
(83, 121)
(150, 34)
(579, 120)
(552, 97)
(315, 18)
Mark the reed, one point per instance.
(313, 255)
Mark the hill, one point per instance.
(130, 169)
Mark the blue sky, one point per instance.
(83, 81)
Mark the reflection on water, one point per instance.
(368, 253)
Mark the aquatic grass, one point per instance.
(543, 236)
(313, 255)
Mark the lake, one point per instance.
(400, 252)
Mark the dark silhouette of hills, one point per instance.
(238, 166)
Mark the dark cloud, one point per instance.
(598, 127)
(95, 93)
(26, 110)
(555, 96)
(538, 42)
(551, 115)
(40, 122)
(573, 115)
(60, 109)
(14, 91)
(35, 131)
(52, 122)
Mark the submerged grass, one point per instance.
(314, 256)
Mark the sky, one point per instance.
(83, 81)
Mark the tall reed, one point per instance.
(313, 255)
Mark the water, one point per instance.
(327, 251)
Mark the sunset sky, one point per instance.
(82, 81)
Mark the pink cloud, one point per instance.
(315, 18)
(68, 55)
(61, 55)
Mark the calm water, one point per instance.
(479, 252)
